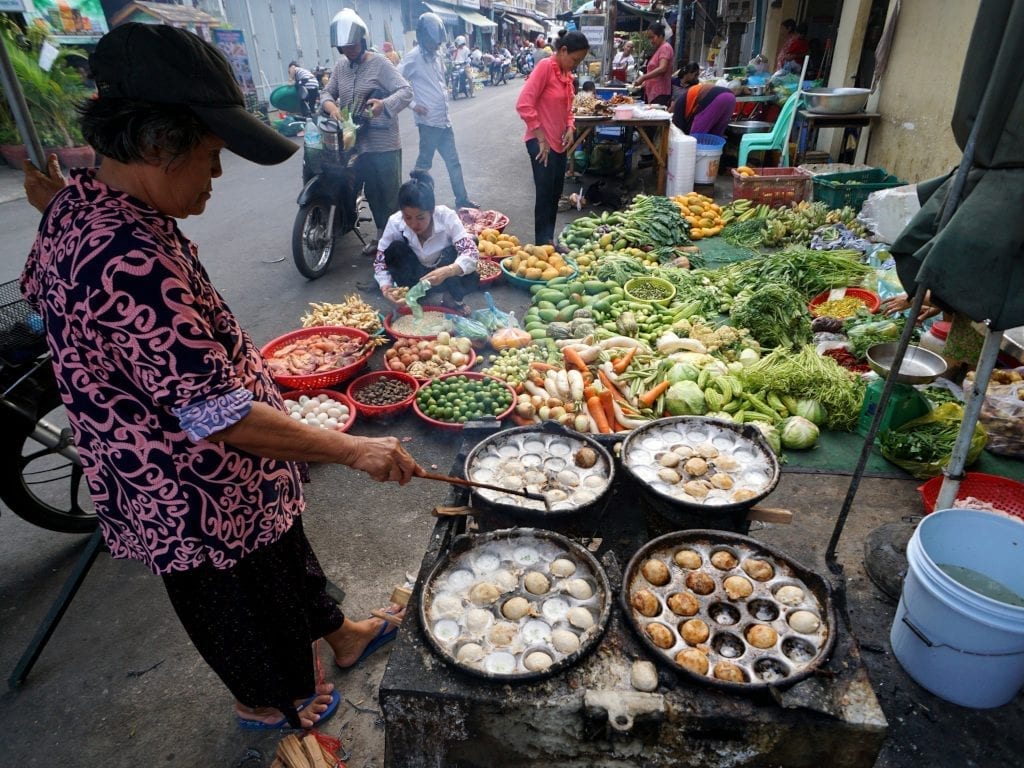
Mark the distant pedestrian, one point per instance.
(425, 71)
(307, 86)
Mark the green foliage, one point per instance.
(52, 97)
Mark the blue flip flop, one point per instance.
(283, 724)
(385, 635)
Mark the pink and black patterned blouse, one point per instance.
(150, 361)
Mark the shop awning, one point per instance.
(448, 15)
(474, 18)
(528, 24)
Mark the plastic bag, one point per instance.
(1002, 413)
(949, 414)
(412, 298)
(887, 211)
(349, 130)
(491, 317)
(510, 335)
(471, 329)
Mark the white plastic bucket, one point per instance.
(682, 159)
(709, 154)
(957, 643)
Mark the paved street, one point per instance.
(120, 684)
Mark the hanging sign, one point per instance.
(71, 22)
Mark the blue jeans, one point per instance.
(442, 140)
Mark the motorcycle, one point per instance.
(460, 80)
(524, 61)
(499, 72)
(41, 477)
(330, 203)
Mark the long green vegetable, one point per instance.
(806, 374)
(808, 271)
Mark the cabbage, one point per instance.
(682, 372)
(685, 398)
(770, 434)
(811, 410)
(749, 356)
(797, 433)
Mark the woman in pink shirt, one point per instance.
(545, 104)
(657, 80)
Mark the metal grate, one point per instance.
(21, 328)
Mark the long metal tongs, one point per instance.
(473, 484)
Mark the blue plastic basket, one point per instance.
(708, 140)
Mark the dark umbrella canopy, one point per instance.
(975, 264)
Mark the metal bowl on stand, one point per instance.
(740, 127)
(836, 101)
(919, 366)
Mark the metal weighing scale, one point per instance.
(920, 366)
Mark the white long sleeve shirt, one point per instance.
(448, 230)
(426, 75)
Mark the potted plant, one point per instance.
(52, 99)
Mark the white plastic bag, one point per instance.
(887, 211)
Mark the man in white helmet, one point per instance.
(372, 90)
(425, 71)
(461, 50)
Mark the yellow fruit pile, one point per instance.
(746, 170)
(493, 244)
(537, 262)
(701, 213)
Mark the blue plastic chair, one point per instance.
(777, 137)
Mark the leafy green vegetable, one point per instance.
(775, 315)
(807, 271)
(806, 374)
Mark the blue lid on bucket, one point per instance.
(708, 140)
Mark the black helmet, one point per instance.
(430, 31)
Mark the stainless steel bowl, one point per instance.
(920, 366)
(836, 101)
(740, 127)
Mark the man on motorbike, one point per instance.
(462, 81)
(373, 91)
(500, 64)
(424, 70)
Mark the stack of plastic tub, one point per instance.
(682, 162)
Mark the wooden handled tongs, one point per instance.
(473, 484)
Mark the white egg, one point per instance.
(580, 589)
(537, 661)
(331, 422)
(303, 399)
(580, 618)
(562, 568)
(564, 641)
(470, 653)
(296, 415)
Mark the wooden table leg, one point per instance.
(663, 158)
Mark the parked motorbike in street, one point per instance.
(41, 477)
(524, 61)
(329, 204)
(499, 72)
(460, 81)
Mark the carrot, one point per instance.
(543, 367)
(572, 357)
(597, 414)
(589, 391)
(610, 385)
(622, 363)
(609, 408)
(648, 398)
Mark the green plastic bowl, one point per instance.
(522, 282)
(650, 290)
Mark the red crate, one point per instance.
(772, 186)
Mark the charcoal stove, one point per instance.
(588, 714)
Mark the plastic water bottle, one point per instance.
(312, 137)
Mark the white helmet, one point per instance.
(460, 40)
(347, 28)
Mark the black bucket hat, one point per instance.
(166, 65)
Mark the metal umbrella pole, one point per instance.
(19, 108)
(950, 206)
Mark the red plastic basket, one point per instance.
(323, 379)
(406, 311)
(870, 299)
(497, 273)
(381, 411)
(296, 394)
(1000, 492)
(772, 186)
(456, 425)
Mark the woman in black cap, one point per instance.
(190, 458)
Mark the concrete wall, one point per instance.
(912, 139)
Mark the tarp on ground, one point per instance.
(975, 264)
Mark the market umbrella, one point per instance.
(966, 243)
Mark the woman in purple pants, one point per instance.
(703, 107)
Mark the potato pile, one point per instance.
(701, 213)
(537, 262)
(492, 244)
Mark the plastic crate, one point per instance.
(21, 328)
(1000, 492)
(838, 190)
(772, 186)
